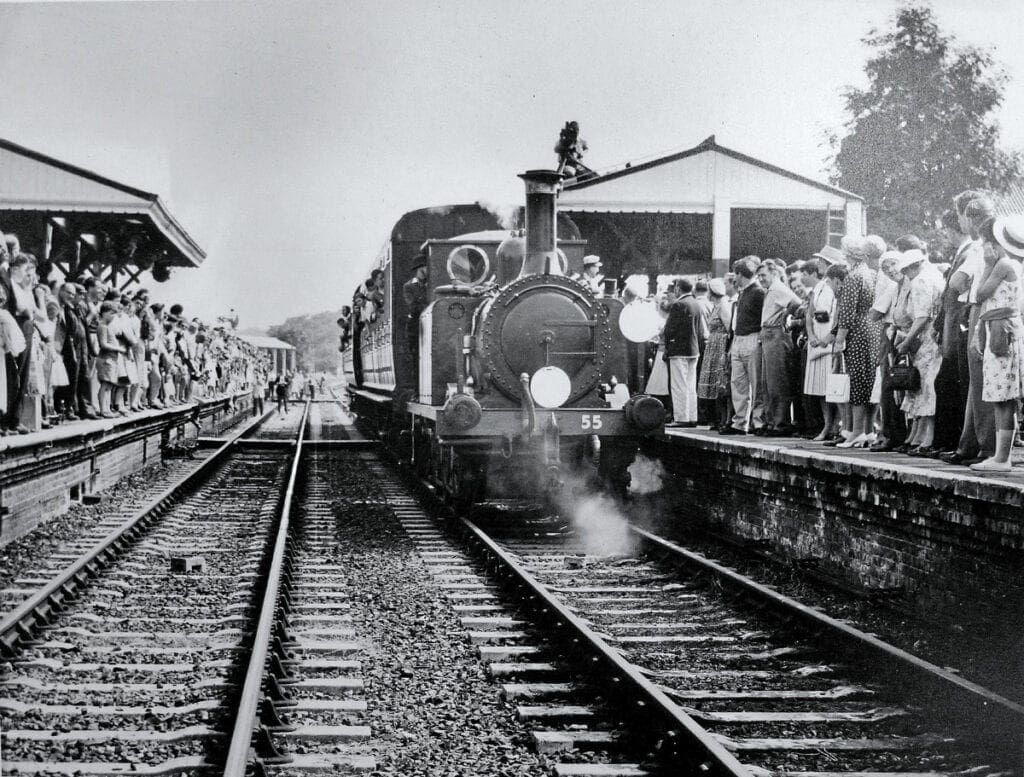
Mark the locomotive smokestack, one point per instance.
(541, 222)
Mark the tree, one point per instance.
(923, 130)
(315, 338)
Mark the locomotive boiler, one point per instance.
(510, 389)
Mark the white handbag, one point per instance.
(837, 389)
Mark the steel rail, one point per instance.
(240, 751)
(687, 740)
(20, 623)
(949, 690)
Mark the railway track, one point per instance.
(623, 661)
(128, 657)
(638, 659)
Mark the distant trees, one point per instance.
(315, 338)
(924, 128)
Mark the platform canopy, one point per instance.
(78, 219)
(695, 210)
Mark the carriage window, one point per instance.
(468, 265)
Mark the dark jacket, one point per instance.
(686, 329)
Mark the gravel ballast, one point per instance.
(432, 710)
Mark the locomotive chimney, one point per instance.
(541, 223)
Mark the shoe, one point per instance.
(904, 448)
(45, 425)
(21, 429)
(953, 457)
(883, 447)
(921, 451)
(157, 405)
(730, 430)
(92, 415)
(71, 417)
(108, 415)
(937, 453)
(785, 431)
(991, 465)
(860, 441)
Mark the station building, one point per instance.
(79, 220)
(282, 355)
(695, 211)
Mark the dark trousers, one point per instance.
(14, 398)
(777, 353)
(952, 385)
(13, 380)
(894, 423)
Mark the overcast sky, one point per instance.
(288, 137)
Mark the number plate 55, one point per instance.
(591, 421)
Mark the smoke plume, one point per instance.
(646, 475)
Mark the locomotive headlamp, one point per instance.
(550, 387)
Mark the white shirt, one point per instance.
(973, 267)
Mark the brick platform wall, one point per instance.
(943, 539)
(38, 483)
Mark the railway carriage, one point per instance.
(512, 385)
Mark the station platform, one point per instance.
(885, 523)
(43, 472)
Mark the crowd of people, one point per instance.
(875, 345)
(86, 350)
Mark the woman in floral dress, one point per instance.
(1003, 349)
(857, 338)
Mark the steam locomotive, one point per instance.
(511, 385)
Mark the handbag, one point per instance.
(903, 376)
(837, 388)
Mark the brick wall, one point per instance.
(36, 483)
(945, 539)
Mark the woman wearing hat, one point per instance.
(857, 338)
(713, 383)
(999, 297)
(915, 338)
(819, 320)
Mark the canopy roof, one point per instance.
(263, 341)
(127, 224)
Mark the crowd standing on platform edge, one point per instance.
(876, 345)
(85, 350)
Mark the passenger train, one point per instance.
(511, 386)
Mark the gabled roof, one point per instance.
(708, 144)
(58, 187)
(263, 341)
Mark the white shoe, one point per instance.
(991, 465)
(860, 441)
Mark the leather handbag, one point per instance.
(903, 376)
(837, 388)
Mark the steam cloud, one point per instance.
(646, 475)
(507, 215)
(599, 524)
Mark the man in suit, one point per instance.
(686, 330)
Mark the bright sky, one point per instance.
(288, 137)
